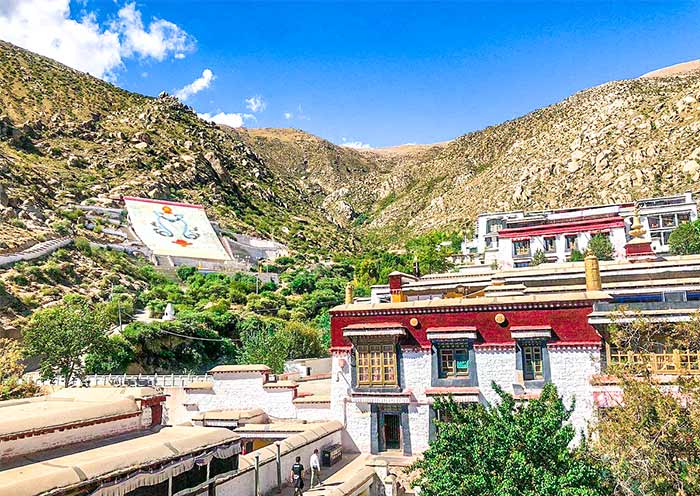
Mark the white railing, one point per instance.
(155, 380)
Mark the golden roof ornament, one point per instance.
(636, 229)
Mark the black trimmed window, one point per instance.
(454, 362)
(521, 248)
(533, 362)
(549, 243)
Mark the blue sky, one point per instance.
(391, 73)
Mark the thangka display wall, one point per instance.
(175, 229)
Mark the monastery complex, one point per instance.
(498, 320)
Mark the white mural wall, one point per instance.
(175, 229)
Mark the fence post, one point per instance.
(278, 459)
(257, 475)
(677, 360)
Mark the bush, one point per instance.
(184, 272)
(601, 247)
(538, 258)
(83, 245)
(62, 227)
(685, 239)
(301, 341)
(576, 256)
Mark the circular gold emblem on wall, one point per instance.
(413, 322)
(500, 318)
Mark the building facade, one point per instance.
(510, 239)
(391, 360)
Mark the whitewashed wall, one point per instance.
(495, 365)
(572, 369)
(70, 436)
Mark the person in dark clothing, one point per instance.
(296, 476)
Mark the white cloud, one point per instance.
(199, 84)
(232, 119)
(157, 41)
(358, 145)
(179, 55)
(255, 103)
(48, 28)
(299, 115)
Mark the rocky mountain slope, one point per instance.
(615, 142)
(66, 137)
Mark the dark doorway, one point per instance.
(392, 431)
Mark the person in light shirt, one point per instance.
(315, 465)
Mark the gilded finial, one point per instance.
(636, 229)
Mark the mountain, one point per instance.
(615, 142)
(66, 137)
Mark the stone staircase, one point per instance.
(36, 251)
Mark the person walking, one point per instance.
(315, 465)
(297, 477)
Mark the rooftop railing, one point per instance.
(676, 362)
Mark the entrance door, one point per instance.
(392, 431)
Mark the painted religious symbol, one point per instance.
(169, 224)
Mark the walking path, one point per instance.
(350, 471)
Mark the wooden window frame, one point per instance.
(533, 354)
(448, 366)
(376, 365)
(553, 240)
(522, 253)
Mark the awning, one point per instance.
(531, 332)
(399, 398)
(374, 329)
(451, 332)
(458, 394)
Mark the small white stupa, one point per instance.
(169, 313)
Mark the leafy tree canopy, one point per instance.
(507, 450)
(601, 247)
(685, 239)
(62, 335)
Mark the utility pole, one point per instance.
(119, 308)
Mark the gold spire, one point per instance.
(636, 229)
(592, 271)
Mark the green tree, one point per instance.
(507, 449)
(538, 258)
(685, 239)
(576, 256)
(260, 343)
(62, 335)
(301, 341)
(431, 250)
(651, 440)
(601, 247)
(113, 358)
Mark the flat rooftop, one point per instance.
(68, 406)
(478, 301)
(69, 467)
